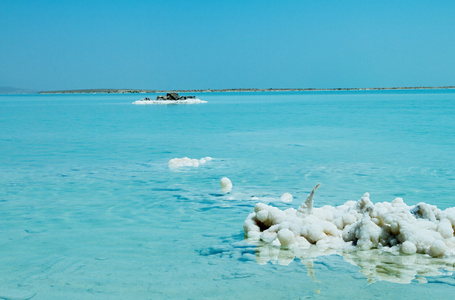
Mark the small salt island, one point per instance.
(170, 98)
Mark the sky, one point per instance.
(58, 45)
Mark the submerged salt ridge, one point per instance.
(391, 226)
(375, 264)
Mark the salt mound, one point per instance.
(187, 162)
(226, 185)
(165, 102)
(390, 226)
(286, 198)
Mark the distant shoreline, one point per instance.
(141, 91)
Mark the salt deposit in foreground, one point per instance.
(187, 162)
(418, 233)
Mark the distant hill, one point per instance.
(99, 91)
(12, 90)
(137, 91)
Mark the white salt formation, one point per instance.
(398, 243)
(286, 198)
(187, 162)
(393, 227)
(226, 185)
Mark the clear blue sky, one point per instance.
(50, 45)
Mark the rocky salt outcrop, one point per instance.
(174, 97)
(170, 98)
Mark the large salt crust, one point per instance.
(165, 102)
(388, 228)
(187, 162)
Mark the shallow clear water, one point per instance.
(90, 209)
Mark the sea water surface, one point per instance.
(90, 210)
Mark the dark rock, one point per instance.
(173, 96)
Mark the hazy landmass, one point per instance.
(141, 91)
(13, 90)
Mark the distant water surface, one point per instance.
(90, 210)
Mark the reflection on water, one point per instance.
(375, 264)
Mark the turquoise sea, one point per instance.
(90, 210)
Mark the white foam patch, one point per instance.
(187, 162)
(166, 102)
(391, 228)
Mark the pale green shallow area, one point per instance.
(90, 210)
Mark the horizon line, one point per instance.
(144, 91)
